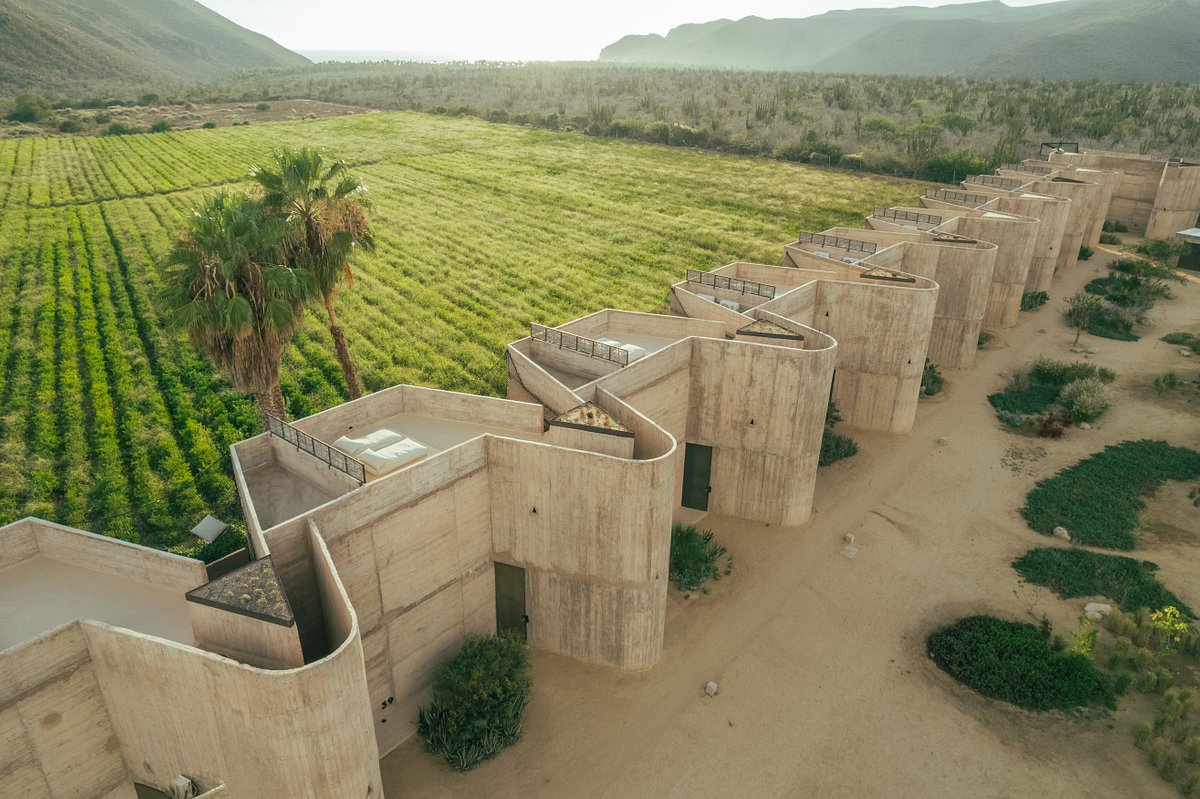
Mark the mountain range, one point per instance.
(1148, 40)
(78, 47)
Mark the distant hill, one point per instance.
(1152, 40)
(79, 47)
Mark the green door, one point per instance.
(510, 599)
(697, 470)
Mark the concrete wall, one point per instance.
(762, 409)
(1085, 211)
(883, 336)
(88, 709)
(963, 272)
(246, 639)
(57, 740)
(1052, 213)
(1177, 203)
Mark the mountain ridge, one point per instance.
(1150, 40)
(94, 46)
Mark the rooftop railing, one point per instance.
(900, 215)
(950, 195)
(333, 458)
(580, 344)
(997, 181)
(731, 283)
(837, 242)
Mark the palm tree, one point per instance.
(225, 283)
(329, 207)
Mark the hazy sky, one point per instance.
(488, 29)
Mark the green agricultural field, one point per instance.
(111, 422)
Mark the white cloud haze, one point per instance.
(486, 29)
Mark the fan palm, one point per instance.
(226, 284)
(328, 206)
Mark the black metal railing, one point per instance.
(997, 181)
(900, 215)
(949, 195)
(731, 283)
(331, 457)
(580, 344)
(1036, 169)
(837, 242)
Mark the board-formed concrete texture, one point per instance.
(1155, 196)
(93, 704)
(293, 675)
(1013, 235)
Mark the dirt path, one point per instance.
(825, 689)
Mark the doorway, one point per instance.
(697, 473)
(510, 600)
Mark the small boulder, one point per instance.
(1041, 330)
(711, 689)
(1093, 351)
(941, 441)
(1062, 534)
(1084, 426)
(1100, 609)
(1185, 353)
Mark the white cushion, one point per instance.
(377, 440)
(731, 305)
(821, 253)
(708, 297)
(609, 341)
(394, 455)
(634, 351)
(846, 259)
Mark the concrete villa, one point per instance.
(385, 530)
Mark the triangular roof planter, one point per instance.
(762, 328)
(591, 417)
(254, 590)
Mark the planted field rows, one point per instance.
(111, 421)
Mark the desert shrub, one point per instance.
(29, 108)
(1115, 227)
(1162, 251)
(1086, 253)
(1098, 499)
(121, 129)
(1192, 749)
(1122, 682)
(1011, 419)
(1016, 663)
(71, 125)
(1032, 300)
(932, 381)
(1129, 291)
(1189, 340)
(835, 446)
(1059, 373)
(1078, 572)
(209, 125)
(1164, 756)
(1113, 323)
(1054, 425)
(984, 338)
(694, 557)
(479, 696)
(263, 107)
(1109, 238)
(1024, 395)
(102, 119)
(161, 126)
(1086, 399)
(1165, 382)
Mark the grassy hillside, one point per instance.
(110, 422)
(83, 47)
(1151, 40)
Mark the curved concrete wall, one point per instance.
(1014, 237)
(1051, 211)
(1086, 208)
(139, 708)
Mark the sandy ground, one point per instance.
(825, 689)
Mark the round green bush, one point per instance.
(1017, 663)
(1087, 399)
(479, 696)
